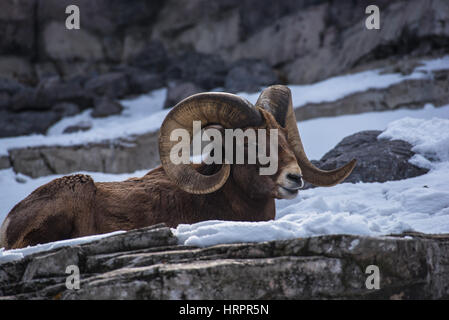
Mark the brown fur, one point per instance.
(74, 206)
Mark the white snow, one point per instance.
(141, 115)
(145, 114)
(143, 106)
(338, 87)
(322, 134)
(429, 138)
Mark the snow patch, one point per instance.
(17, 254)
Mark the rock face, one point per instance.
(106, 107)
(411, 94)
(179, 91)
(249, 75)
(119, 156)
(148, 264)
(305, 41)
(132, 47)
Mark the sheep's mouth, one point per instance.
(291, 190)
(287, 193)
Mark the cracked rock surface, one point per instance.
(149, 264)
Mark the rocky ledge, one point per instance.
(149, 264)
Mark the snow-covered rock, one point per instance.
(147, 264)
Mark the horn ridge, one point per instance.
(225, 109)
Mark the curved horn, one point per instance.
(278, 100)
(225, 109)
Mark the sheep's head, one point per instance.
(273, 110)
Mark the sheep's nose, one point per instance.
(296, 178)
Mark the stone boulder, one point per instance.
(179, 91)
(49, 93)
(377, 160)
(17, 22)
(205, 70)
(151, 57)
(148, 264)
(410, 94)
(66, 109)
(141, 81)
(104, 107)
(80, 126)
(113, 85)
(249, 75)
(26, 122)
(116, 156)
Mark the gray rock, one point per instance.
(113, 85)
(10, 86)
(147, 264)
(205, 70)
(152, 57)
(105, 107)
(25, 99)
(412, 33)
(411, 94)
(5, 100)
(377, 160)
(80, 126)
(179, 91)
(305, 41)
(118, 156)
(17, 67)
(255, 15)
(66, 109)
(102, 16)
(4, 162)
(249, 76)
(143, 82)
(17, 22)
(61, 44)
(23, 123)
(49, 93)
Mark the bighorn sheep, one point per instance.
(74, 206)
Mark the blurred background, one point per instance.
(93, 99)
